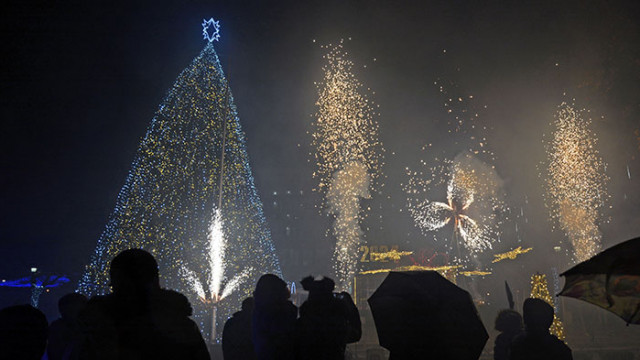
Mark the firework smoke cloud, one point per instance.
(576, 182)
(348, 155)
(348, 186)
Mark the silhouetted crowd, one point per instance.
(140, 320)
(534, 340)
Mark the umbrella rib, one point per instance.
(634, 314)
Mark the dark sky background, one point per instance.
(80, 82)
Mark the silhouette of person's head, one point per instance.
(23, 332)
(70, 305)
(247, 304)
(133, 271)
(508, 320)
(318, 289)
(537, 314)
(270, 289)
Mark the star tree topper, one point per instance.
(211, 29)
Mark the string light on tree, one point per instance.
(191, 163)
(540, 290)
(348, 155)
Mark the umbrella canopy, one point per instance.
(422, 313)
(610, 280)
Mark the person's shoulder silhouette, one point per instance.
(273, 321)
(64, 333)
(139, 320)
(236, 336)
(509, 323)
(328, 321)
(23, 333)
(536, 342)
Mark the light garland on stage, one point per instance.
(392, 255)
(510, 254)
(447, 271)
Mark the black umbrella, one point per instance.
(422, 313)
(610, 280)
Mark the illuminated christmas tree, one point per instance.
(190, 198)
(540, 290)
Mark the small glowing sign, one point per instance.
(211, 30)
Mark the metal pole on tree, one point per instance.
(214, 313)
(215, 297)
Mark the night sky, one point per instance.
(80, 82)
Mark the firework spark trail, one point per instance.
(345, 130)
(235, 282)
(628, 173)
(474, 201)
(576, 181)
(348, 154)
(216, 249)
(216, 260)
(194, 283)
(343, 198)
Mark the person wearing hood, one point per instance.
(139, 319)
(273, 321)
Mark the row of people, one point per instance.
(140, 320)
(531, 341)
(327, 321)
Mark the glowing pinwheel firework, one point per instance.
(472, 205)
